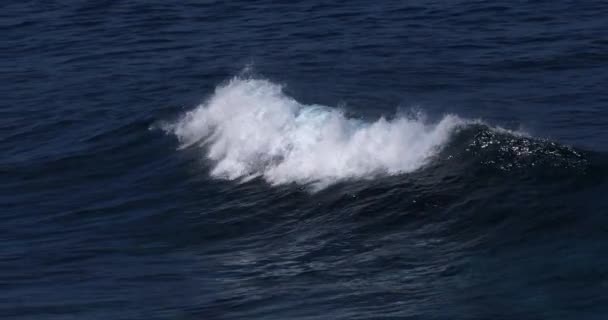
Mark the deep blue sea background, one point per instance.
(119, 201)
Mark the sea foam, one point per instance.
(250, 128)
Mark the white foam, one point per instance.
(250, 128)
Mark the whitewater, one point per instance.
(250, 128)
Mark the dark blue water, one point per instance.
(317, 160)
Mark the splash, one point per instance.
(250, 128)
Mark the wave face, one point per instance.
(250, 128)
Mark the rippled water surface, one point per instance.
(316, 160)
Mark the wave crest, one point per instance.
(250, 128)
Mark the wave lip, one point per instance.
(250, 128)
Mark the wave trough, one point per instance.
(249, 128)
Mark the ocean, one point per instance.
(304, 160)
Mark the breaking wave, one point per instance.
(249, 128)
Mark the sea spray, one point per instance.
(250, 128)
